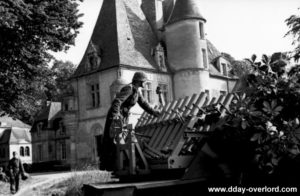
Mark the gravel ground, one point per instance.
(56, 184)
(5, 187)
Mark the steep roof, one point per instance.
(8, 121)
(185, 9)
(19, 135)
(168, 6)
(15, 135)
(123, 35)
(213, 52)
(213, 56)
(51, 111)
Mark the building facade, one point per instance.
(50, 139)
(164, 39)
(14, 136)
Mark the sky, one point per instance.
(238, 27)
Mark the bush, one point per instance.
(259, 135)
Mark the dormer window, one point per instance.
(224, 69)
(159, 55)
(94, 55)
(39, 128)
(94, 60)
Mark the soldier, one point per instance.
(119, 110)
(15, 168)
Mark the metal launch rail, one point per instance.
(163, 155)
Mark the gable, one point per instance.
(122, 37)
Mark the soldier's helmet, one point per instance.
(139, 77)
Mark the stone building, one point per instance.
(163, 38)
(50, 139)
(14, 136)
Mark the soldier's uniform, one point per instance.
(125, 99)
(15, 170)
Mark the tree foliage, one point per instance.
(60, 73)
(239, 68)
(262, 126)
(48, 87)
(29, 29)
(293, 23)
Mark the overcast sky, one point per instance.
(238, 27)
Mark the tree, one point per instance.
(48, 87)
(293, 23)
(240, 68)
(61, 72)
(262, 126)
(29, 29)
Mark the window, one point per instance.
(22, 151)
(40, 152)
(224, 68)
(63, 150)
(39, 128)
(164, 91)
(27, 151)
(62, 128)
(50, 148)
(66, 107)
(162, 62)
(147, 92)
(93, 61)
(201, 28)
(95, 95)
(159, 54)
(204, 58)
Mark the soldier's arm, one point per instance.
(120, 98)
(145, 105)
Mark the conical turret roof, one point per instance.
(185, 9)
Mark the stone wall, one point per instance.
(91, 121)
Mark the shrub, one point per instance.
(260, 131)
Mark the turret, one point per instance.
(187, 48)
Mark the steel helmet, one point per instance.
(139, 76)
